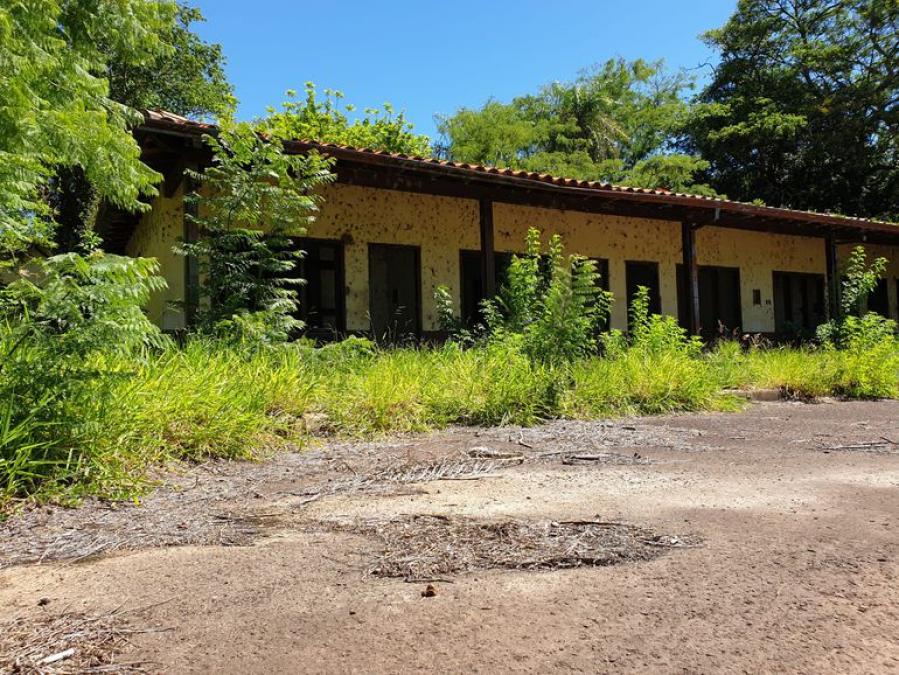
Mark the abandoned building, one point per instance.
(392, 228)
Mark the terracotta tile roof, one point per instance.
(167, 120)
(163, 118)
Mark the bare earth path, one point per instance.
(777, 533)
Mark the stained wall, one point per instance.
(154, 237)
(442, 226)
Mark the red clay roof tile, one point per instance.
(164, 119)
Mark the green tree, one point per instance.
(615, 122)
(56, 113)
(497, 134)
(252, 201)
(326, 120)
(802, 108)
(187, 79)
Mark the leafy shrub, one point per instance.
(868, 358)
(447, 321)
(255, 330)
(351, 350)
(67, 326)
(254, 198)
(862, 347)
(658, 334)
(550, 306)
(859, 280)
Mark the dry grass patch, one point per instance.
(432, 547)
(446, 468)
(70, 642)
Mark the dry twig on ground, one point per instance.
(66, 643)
(427, 547)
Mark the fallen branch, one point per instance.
(309, 500)
(59, 656)
(481, 452)
(871, 446)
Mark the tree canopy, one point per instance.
(615, 122)
(803, 107)
(188, 78)
(325, 120)
(55, 108)
(181, 74)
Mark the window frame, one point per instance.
(306, 244)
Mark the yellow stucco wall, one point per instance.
(759, 255)
(616, 238)
(442, 226)
(156, 233)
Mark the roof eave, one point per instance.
(711, 208)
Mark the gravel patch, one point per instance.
(617, 439)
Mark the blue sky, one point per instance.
(432, 57)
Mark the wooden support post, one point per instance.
(691, 270)
(191, 265)
(833, 277)
(488, 271)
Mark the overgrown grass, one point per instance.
(811, 372)
(211, 400)
(638, 383)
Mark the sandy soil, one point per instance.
(795, 508)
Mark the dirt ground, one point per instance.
(761, 541)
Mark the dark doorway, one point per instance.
(394, 282)
(322, 297)
(878, 300)
(719, 299)
(472, 288)
(798, 302)
(643, 274)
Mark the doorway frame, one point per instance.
(418, 305)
